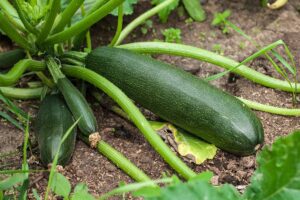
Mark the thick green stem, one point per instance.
(79, 37)
(18, 69)
(84, 24)
(135, 114)
(45, 79)
(120, 161)
(27, 25)
(54, 69)
(22, 93)
(119, 26)
(96, 6)
(213, 58)
(66, 16)
(271, 109)
(113, 108)
(141, 19)
(13, 34)
(47, 26)
(11, 14)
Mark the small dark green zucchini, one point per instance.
(78, 106)
(181, 98)
(9, 58)
(52, 122)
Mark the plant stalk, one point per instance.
(141, 19)
(120, 160)
(18, 69)
(213, 58)
(84, 24)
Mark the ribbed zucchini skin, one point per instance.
(181, 98)
(9, 58)
(52, 122)
(78, 106)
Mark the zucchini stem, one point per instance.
(141, 19)
(119, 26)
(84, 24)
(135, 114)
(18, 69)
(26, 23)
(65, 17)
(271, 109)
(47, 26)
(22, 93)
(54, 69)
(119, 160)
(13, 34)
(213, 58)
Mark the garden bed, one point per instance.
(265, 26)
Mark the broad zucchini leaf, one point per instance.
(197, 190)
(278, 175)
(12, 181)
(81, 192)
(164, 14)
(188, 145)
(88, 4)
(127, 8)
(61, 185)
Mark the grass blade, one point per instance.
(11, 120)
(54, 163)
(257, 54)
(13, 108)
(284, 62)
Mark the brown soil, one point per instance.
(264, 25)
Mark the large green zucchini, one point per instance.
(52, 122)
(181, 98)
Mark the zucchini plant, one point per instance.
(57, 42)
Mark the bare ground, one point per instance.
(265, 26)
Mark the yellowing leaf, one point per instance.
(193, 146)
(187, 145)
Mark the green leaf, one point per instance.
(81, 187)
(278, 175)
(88, 5)
(197, 190)
(195, 10)
(35, 194)
(12, 181)
(172, 35)
(164, 14)
(204, 176)
(127, 8)
(147, 192)
(187, 144)
(219, 18)
(80, 195)
(60, 185)
(81, 191)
